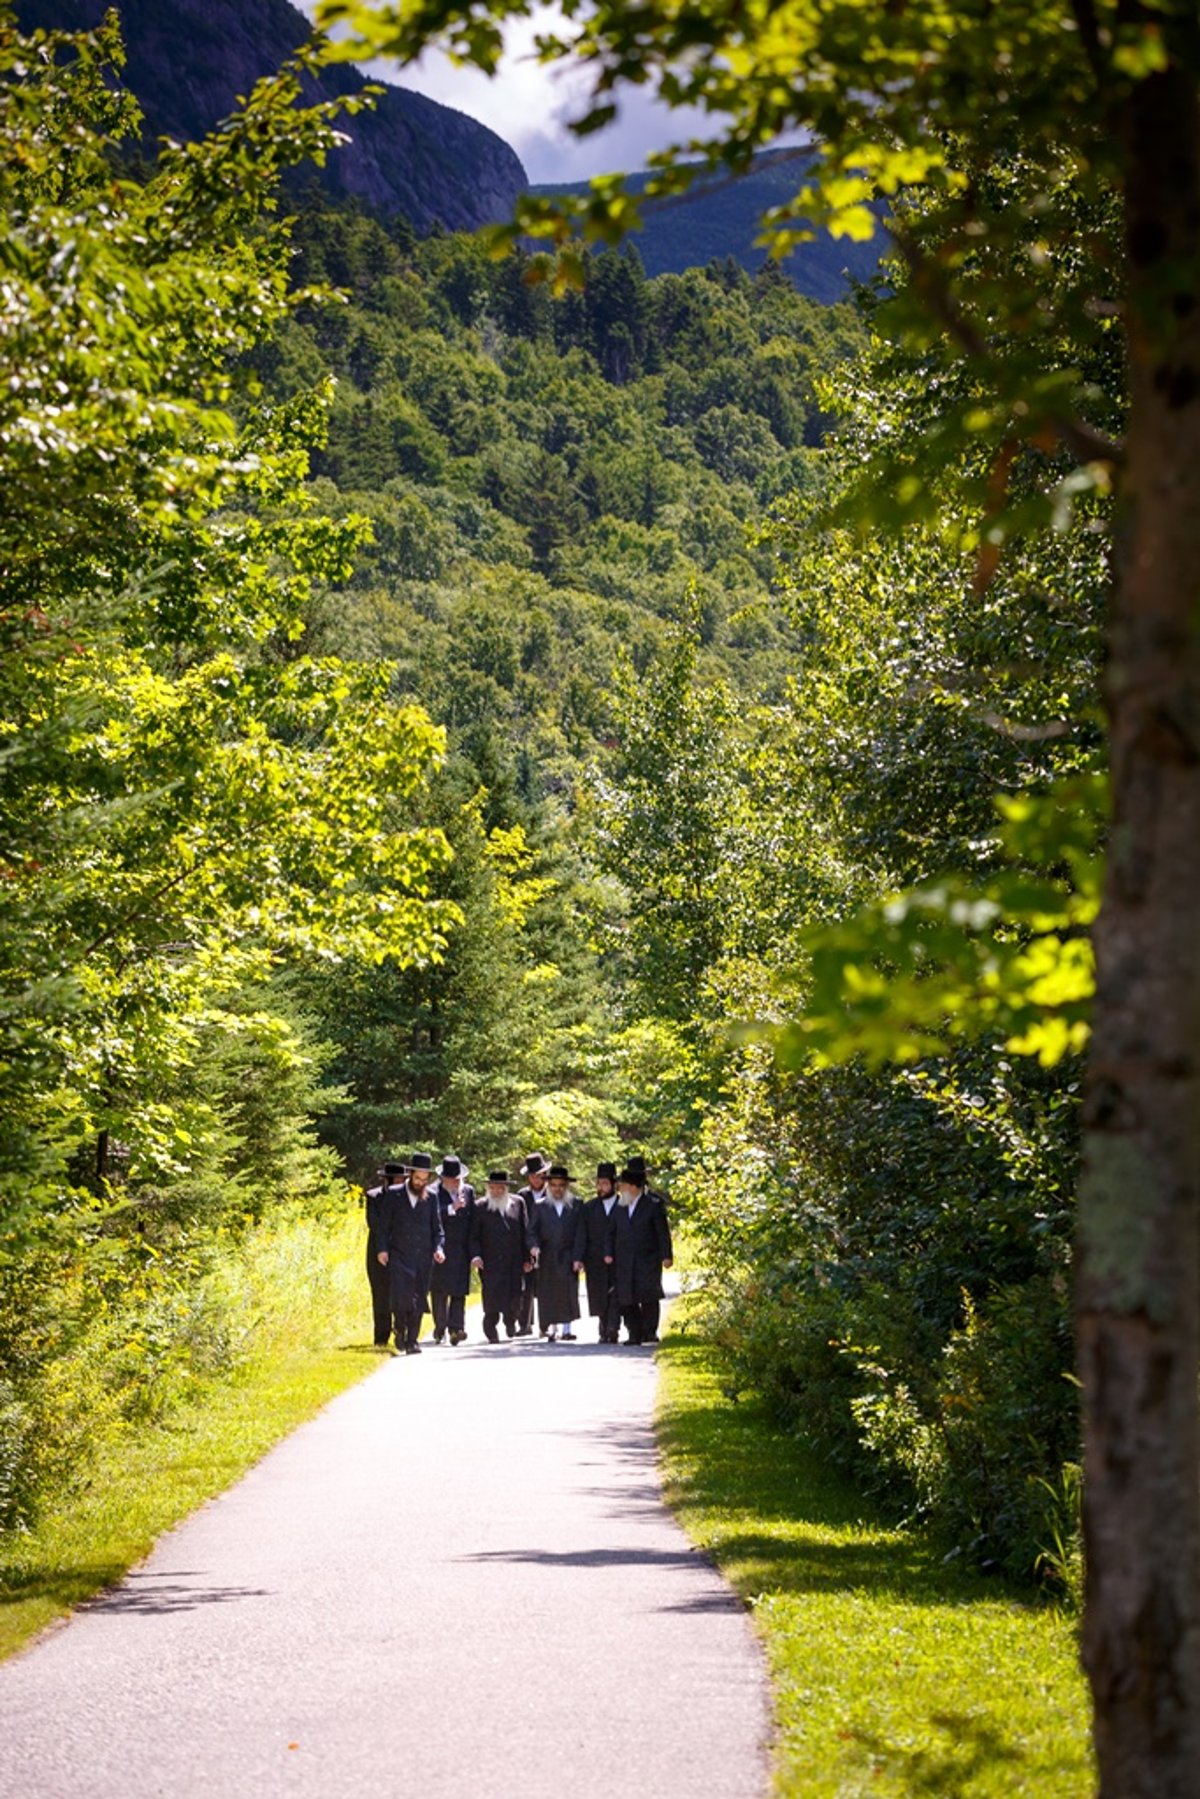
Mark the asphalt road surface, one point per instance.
(458, 1582)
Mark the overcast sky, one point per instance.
(529, 105)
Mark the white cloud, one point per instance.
(529, 105)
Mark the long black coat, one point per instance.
(641, 1243)
(453, 1276)
(592, 1239)
(410, 1234)
(500, 1241)
(552, 1234)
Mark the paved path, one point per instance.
(458, 1582)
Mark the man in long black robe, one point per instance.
(592, 1253)
(377, 1274)
(552, 1242)
(408, 1239)
(534, 1169)
(450, 1281)
(499, 1249)
(640, 1244)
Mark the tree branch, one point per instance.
(1089, 36)
(1084, 441)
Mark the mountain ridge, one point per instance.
(188, 60)
(720, 219)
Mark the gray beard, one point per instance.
(627, 1199)
(499, 1203)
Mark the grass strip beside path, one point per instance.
(894, 1673)
(145, 1480)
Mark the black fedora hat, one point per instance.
(498, 1174)
(534, 1163)
(450, 1165)
(420, 1162)
(607, 1171)
(391, 1168)
(559, 1172)
(632, 1175)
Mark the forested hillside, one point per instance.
(444, 717)
(559, 492)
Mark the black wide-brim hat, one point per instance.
(558, 1173)
(498, 1174)
(450, 1165)
(533, 1163)
(632, 1175)
(607, 1171)
(420, 1162)
(391, 1168)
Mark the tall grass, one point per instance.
(167, 1387)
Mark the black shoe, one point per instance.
(493, 1336)
(437, 1337)
(412, 1349)
(649, 1339)
(457, 1337)
(510, 1330)
(568, 1336)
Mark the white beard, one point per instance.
(498, 1202)
(627, 1199)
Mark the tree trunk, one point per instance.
(1139, 1249)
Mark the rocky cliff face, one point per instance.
(189, 59)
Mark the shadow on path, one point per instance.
(157, 1595)
(590, 1558)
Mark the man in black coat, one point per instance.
(377, 1274)
(500, 1251)
(592, 1253)
(640, 1245)
(450, 1281)
(408, 1241)
(552, 1232)
(534, 1169)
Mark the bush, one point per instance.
(122, 1334)
(893, 1279)
(981, 1443)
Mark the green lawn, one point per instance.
(894, 1673)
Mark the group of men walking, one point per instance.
(428, 1229)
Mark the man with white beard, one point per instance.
(552, 1245)
(499, 1250)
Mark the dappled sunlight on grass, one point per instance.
(895, 1672)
